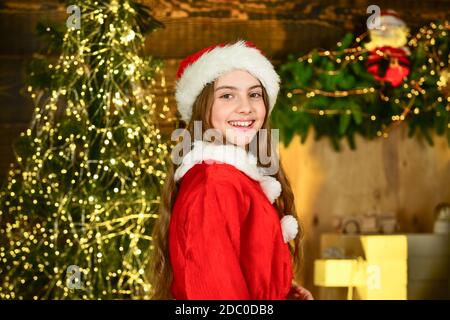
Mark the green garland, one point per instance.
(332, 92)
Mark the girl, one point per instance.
(226, 228)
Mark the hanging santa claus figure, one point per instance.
(388, 55)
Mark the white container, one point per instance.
(442, 223)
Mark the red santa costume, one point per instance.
(226, 240)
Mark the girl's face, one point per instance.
(238, 110)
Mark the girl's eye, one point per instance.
(226, 96)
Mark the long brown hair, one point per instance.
(160, 271)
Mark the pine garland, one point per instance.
(333, 93)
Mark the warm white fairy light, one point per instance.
(105, 194)
(417, 88)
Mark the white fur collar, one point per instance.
(232, 155)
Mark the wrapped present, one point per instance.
(339, 272)
(376, 265)
(402, 266)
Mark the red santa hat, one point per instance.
(206, 65)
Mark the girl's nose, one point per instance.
(244, 106)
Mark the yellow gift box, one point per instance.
(359, 273)
(393, 292)
(385, 248)
(373, 281)
(339, 273)
(379, 272)
(370, 247)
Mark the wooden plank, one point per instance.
(18, 28)
(296, 9)
(278, 27)
(15, 104)
(429, 268)
(275, 38)
(428, 245)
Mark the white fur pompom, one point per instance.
(271, 187)
(289, 227)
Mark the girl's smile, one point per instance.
(242, 124)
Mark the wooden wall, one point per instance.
(396, 174)
(393, 174)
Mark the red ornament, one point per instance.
(389, 64)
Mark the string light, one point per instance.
(434, 66)
(67, 202)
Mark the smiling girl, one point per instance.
(227, 227)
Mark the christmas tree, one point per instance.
(77, 210)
